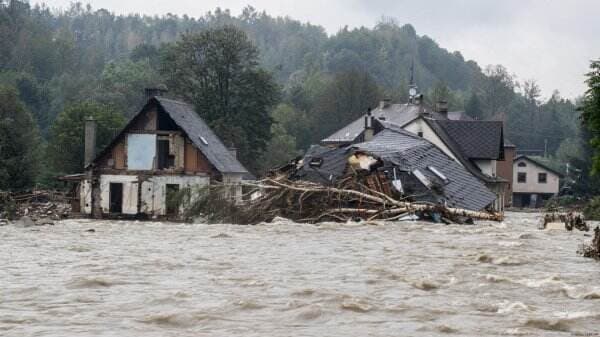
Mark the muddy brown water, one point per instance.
(287, 279)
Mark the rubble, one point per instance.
(592, 249)
(39, 208)
(568, 221)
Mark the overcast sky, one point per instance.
(551, 41)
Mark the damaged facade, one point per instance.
(477, 146)
(164, 148)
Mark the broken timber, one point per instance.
(311, 202)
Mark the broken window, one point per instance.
(172, 199)
(141, 149)
(422, 178)
(521, 164)
(165, 159)
(542, 178)
(521, 177)
(438, 173)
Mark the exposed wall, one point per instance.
(532, 185)
(154, 191)
(85, 197)
(504, 169)
(130, 192)
(418, 125)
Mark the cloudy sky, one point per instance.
(551, 41)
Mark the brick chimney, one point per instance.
(155, 91)
(384, 103)
(89, 140)
(442, 108)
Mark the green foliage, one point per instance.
(592, 209)
(345, 98)
(591, 111)
(123, 82)
(57, 59)
(19, 142)
(66, 145)
(218, 71)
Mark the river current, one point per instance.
(132, 278)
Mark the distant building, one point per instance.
(505, 169)
(164, 148)
(476, 145)
(533, 182)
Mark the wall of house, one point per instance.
(130, 192)
(85, 197)
(154, 191)
(487, 166)
(234, 179)
(418, 125)
(504, 169)
(532, 185)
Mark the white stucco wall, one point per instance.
(418, 125)
(154, 191)
(130, 192)
(532, 185)
(85, 197)
(486, 166)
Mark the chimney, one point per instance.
(89, 140)
(155, 91)
(442, 108)
(233, 151)
(369, 131)
(384, 103)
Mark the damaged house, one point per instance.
(164, 148)
(400, 164)
(477, 146)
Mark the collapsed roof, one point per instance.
(433, 175)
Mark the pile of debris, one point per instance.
(352, 198)
(592, 249)
(34, 207)
(570, 220)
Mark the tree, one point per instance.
(591, 112)
(19, 142)
(217, 70)
(473, 107)
(123, 83)
(347, 97)
(66, 144)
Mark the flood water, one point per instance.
(287, 279)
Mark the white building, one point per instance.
(533, 182)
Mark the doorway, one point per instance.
(171, 200)
(116, 198)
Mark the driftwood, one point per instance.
(592, 249)
(350, 199)
(570, 220)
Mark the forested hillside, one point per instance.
(55, 61)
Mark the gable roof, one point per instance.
(195, 128)
(455, 149)
(539, 163)
(475, 139)
(398, 114)
(190, 122)
(410, 152)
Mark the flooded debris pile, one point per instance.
(354, 197)
(34, 207)
(592, 249)
(570, 220)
